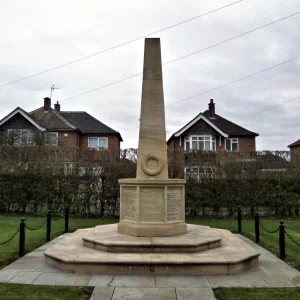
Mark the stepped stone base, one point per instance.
(105, 238)
(70, 255)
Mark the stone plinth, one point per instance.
(106, 239)
(154, 207)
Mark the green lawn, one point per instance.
(10, 291)
(267, 240)
(36, 238)
(257, 294)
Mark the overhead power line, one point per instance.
(262, 111)
(119, 45)
(220, 86)
(182, 57)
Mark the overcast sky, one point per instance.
(38, 35)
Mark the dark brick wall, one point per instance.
(71, 140)
(247, 144)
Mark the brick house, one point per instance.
(295, 152)
(211, 132)
(48, 126)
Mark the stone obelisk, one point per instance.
(152, 151)
(152, 204)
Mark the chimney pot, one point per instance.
(211, 108)
(47, 104)
(57, 106)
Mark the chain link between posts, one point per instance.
(7, 241)
(264, 228)
(291, 238)
(36, 228)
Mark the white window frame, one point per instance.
(45, 140)
(98, 138)
(18, 142)
(232, 141)
(212, 140)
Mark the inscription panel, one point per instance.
(152, 205)
(130, 203)
(174, 204)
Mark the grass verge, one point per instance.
(257, 293)
(10, 291)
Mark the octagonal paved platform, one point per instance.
(232, 257)
(105, 238)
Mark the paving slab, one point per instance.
(182, 281)
(277, 281)
(144, 294)
(101, 280)
(243, 280)
(25, 277)
(102, 293)
(5, 276)
(62, 279)
(295, 280)
(195, 294)
(142, 281)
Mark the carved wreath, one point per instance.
(158, 169)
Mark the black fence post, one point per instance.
(257, 228)
(281, 241)
(239, 219)
(67, 219)
(48, 234)
(22, 238)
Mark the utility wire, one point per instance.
(120, 45)
(221, 86)
(262, 111)
(182, 57)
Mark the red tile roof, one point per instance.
(297, 143)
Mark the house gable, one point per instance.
(17, 118)
(201, 128)
(203, 123)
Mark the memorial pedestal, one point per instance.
(154, 207)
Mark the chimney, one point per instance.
(211, 108)
(47, 103)
(57, 107)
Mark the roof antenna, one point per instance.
(52, 90)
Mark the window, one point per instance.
(51, 138)
(200, 142)
(98, 143)
(232, 144)
(20, 137)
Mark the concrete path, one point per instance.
(32, 269)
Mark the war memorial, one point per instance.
(152, 236)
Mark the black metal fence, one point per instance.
(21, 230)
(281, 229)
